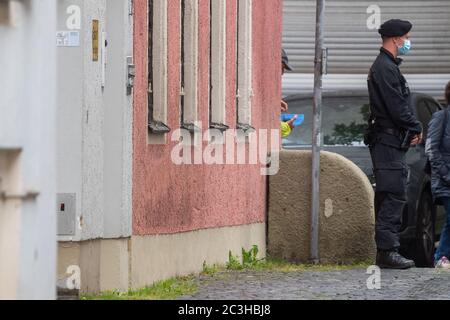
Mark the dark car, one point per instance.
(344, 117)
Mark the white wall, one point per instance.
(27, 124)
(69, 114)
(117, 132)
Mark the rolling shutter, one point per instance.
(352, 46)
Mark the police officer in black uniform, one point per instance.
(393, 128)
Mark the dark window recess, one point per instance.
(183, 9)
(237, 62)
(192, 128)
(210, 63)
(155, 127)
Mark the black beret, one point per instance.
(395, 28)
(285, 60)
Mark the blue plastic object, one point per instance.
(285, 117)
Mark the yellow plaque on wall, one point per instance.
(95, 40)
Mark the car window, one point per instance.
(433, 106)
(424, 114)
(343, 121)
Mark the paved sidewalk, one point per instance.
(422, 284)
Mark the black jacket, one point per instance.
(438, 151)
(390, 95)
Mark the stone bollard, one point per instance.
(346, 216)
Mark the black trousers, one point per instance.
(391, 175)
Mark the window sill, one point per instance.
(158, 128)
(246, 128)
(219, 126)
(192, 128)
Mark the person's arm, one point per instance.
(284, 106)
(397, 105)
(285, 129)
(433, 144)
(418, 138)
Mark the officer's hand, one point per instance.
(417, 139)
(284, 106)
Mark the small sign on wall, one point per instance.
(68, 39)
(95, 40)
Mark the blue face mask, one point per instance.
(405, 48)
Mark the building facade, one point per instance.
(131, 212)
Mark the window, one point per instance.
(344, 120)
(10, 172)
(4, 12)
(218, 55)
(244, 65)
(424, 115)
(189, 64)
(157, 68)
(433, 106)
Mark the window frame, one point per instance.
(157, 68)
(218, 65)
(244, 65)
(189, 65)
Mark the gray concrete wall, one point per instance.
(27, 142)
(103, 264)
(346, 210)
(120, 264)
(154, 258)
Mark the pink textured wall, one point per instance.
(169, 198)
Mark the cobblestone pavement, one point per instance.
(417, 284)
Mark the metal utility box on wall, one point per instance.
(66, 208)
